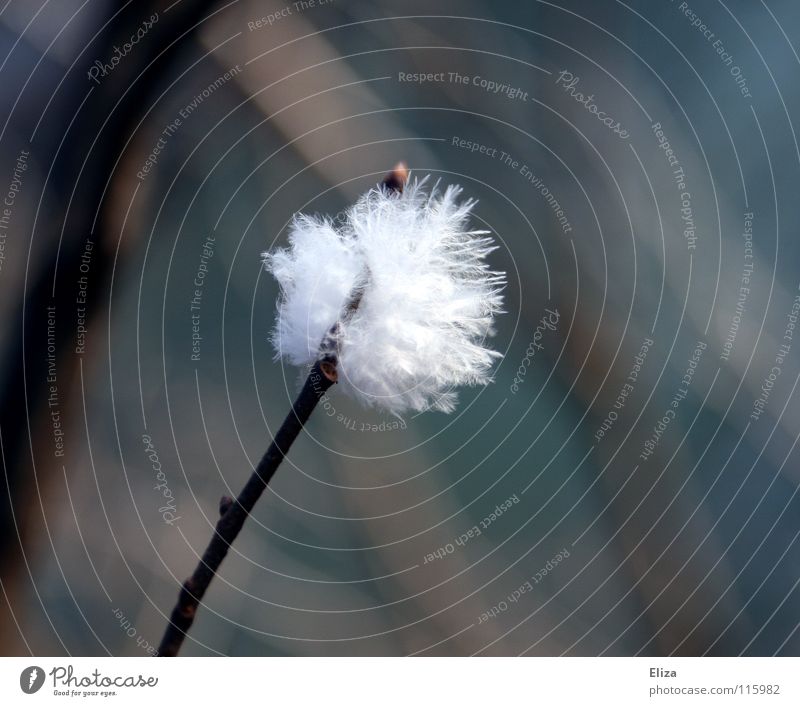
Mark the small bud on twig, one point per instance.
(224, 503)
(396, 179)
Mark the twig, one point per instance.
(233, 513)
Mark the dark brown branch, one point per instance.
(233, 513)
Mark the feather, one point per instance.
(426, 297)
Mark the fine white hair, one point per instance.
(426, 297)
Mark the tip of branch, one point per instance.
(396, 179)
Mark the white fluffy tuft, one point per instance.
(427, 304)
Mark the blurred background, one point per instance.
(626, 486)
